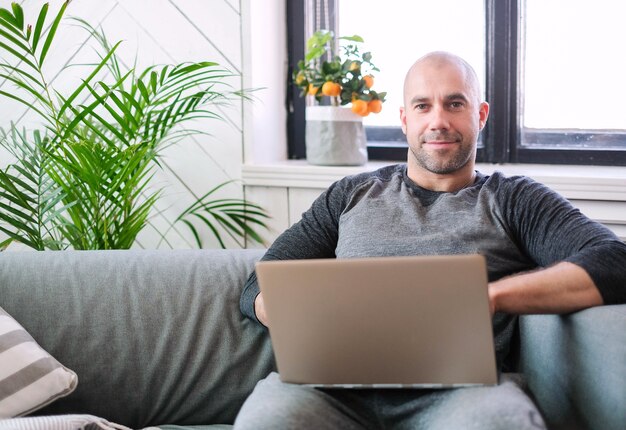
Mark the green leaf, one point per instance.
(21, 72)
(7, 16)
(20, 223)
(30, 105)
(314, 53)
(5, 244)
(354, 38)
(143, 90)
(114, 114)
(21, 84)
(8, 22)
(51, 32)
(18, 13)
(195, 233)
(19, 56)
(19, 44)
(16, 181)
(126, 112)
(85, 82)
(163, 75)
(153, 81)
(319, 38)
(39, 26)
(23, 239)
(131, 100)
(211, 227)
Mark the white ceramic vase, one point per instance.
(334, 137)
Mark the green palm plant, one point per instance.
(82, 181)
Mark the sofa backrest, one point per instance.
(155, 336)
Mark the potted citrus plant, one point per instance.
(334, 132)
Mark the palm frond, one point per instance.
(67, 103)
(41, 19)
(28, 198)
(52, 32)
(232, 215)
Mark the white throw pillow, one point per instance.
(30, 378)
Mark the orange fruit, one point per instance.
(355, 65)
(375, 106)
(331, 89)
(359, 107)
(369, 81)
(312, 90)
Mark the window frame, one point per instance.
(501, 138)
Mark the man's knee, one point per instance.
(503, 407)
(274, 404)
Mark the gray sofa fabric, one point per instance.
(156, 338)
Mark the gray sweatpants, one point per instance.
(277, 405)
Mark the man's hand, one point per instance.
(562, 288)
(259, 309)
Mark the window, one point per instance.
(572, 81)
(553, 72)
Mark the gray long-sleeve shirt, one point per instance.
(516, 223)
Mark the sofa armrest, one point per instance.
(575, 366)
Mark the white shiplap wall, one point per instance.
(161, 32)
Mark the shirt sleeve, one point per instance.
(314, 236)
(550, 230)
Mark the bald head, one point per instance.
(438, 60)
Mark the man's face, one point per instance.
(441, 117)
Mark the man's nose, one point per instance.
(439, 119)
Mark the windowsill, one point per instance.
(573, 182)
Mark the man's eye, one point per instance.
(456, 105)
(421, 106)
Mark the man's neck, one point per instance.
(449, 182)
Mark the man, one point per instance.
(543, 256)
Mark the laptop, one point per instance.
(384, 322)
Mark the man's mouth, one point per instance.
(441, 140)
(440, 143)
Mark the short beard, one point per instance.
(443, 167)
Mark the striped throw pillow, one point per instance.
(30, 378)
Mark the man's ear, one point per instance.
(483, 114)
(403, 119)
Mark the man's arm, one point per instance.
(314, 236)
(582, 262)
(562, 288)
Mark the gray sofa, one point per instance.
(157, 339)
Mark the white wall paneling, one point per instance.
(300, 199)
(276, 201)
